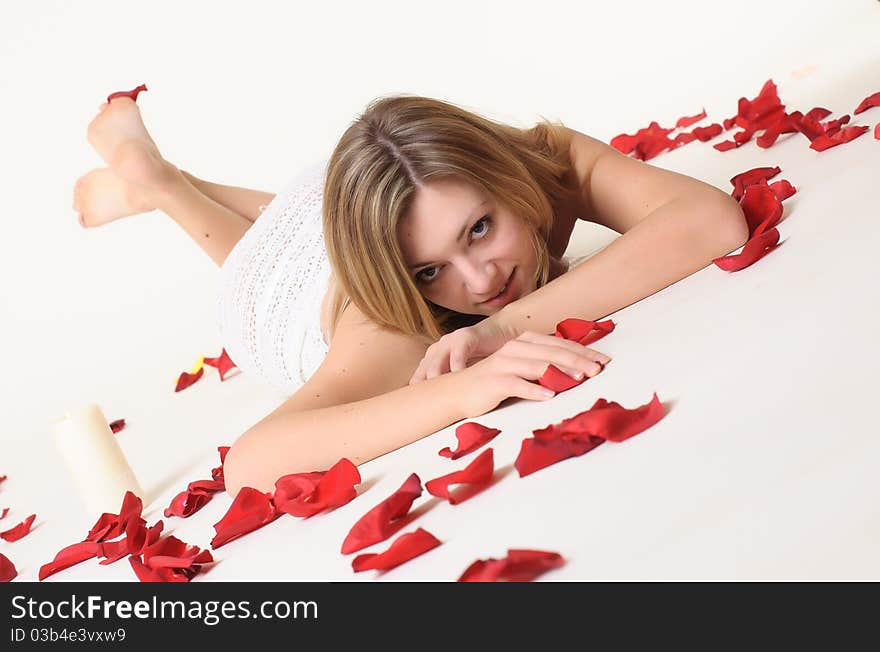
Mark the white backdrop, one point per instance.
(246, 94)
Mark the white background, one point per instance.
(248, 93)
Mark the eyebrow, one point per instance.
(461, 233)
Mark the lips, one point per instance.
(503, 288)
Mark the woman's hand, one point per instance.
(513, 368)
(453, 351)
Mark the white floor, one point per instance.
(764, 467)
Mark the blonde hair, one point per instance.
(396, 146)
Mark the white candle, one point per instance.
(95, 460)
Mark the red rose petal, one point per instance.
(745, 179)
(146, 574)
(725, 145)
(116, 426)
(478, 472)
(646, 143)
(7, 569)
(405, 547)
(877, 131)
(19, 531)
(536, 454)
(685, 122)
(223, 364)
(833, 126)
(187, 503)
(251, 510)
(186, 379)
(334, 489)
(518, 566)
(384, 519)
(559, 381)
(782, 189)
(707, 133)
(605, 421)
(69, 556)
(4, 513)
(583, 332)
(132, 94)
(867, 103)
(755, 249)
(470, 436)
(762, 208)
(217, 472)
(817, 113)
(823, 142)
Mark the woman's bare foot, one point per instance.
(101, 196)
(118, 134)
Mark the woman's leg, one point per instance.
(139, 179)
(244, 201)
(213, 226)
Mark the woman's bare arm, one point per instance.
(315, 439)
(358, 405)
(672, 226)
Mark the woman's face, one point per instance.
(462, 248)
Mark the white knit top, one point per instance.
(272, 285)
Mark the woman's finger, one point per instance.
(552, 340)
(562, 357)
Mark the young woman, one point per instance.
(413, 281)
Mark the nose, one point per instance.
(481, 278)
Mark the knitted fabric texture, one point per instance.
(272, 285)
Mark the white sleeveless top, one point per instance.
(272, 286)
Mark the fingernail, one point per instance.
(548, 393)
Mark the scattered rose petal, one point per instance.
(518, 566)
(572, 437)
(823, 142)
(223, 364)
(707, 133)
(583, 332)
(646, 143)
(5, 512)
(7, 569)
(761, 207)
(333, 489)
(405, 547)
(250, 510)
(536, 454)
(116, 426)
(2, 478)
(470, 436)
(833, 126)
(186, 379)
(782, 189)
(187, 503)
(683, 123)
(132, 94)
(217, 472)
(877, 131)
(478, 472)
(19, 531)
(384, 519)
(755, 249)
(867, 103)
(69, 556)
(725, 145)
(745, 179)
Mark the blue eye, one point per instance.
(479, 230)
